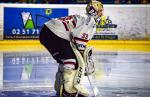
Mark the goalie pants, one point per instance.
(58, 47)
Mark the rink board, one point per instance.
(29, 18)
(99, 45)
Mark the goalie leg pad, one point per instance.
(59, 79)
(69, 89)
(72, 78)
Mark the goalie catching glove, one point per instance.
(89, 63)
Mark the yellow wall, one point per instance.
(100, 45)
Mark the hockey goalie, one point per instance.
(66, 38)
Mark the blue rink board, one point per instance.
(27, 22)
(125, 74)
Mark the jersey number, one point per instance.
(84, 36)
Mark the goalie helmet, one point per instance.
(94, 8)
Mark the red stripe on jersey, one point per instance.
(71, 63)
(66, 27)
(81, 50)
(74, 24)
(79, 39)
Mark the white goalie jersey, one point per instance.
(80, 28)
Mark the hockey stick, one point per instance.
(91, 86)
(87, 53)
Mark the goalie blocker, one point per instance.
(89, 62)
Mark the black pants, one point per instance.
(58, 47)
